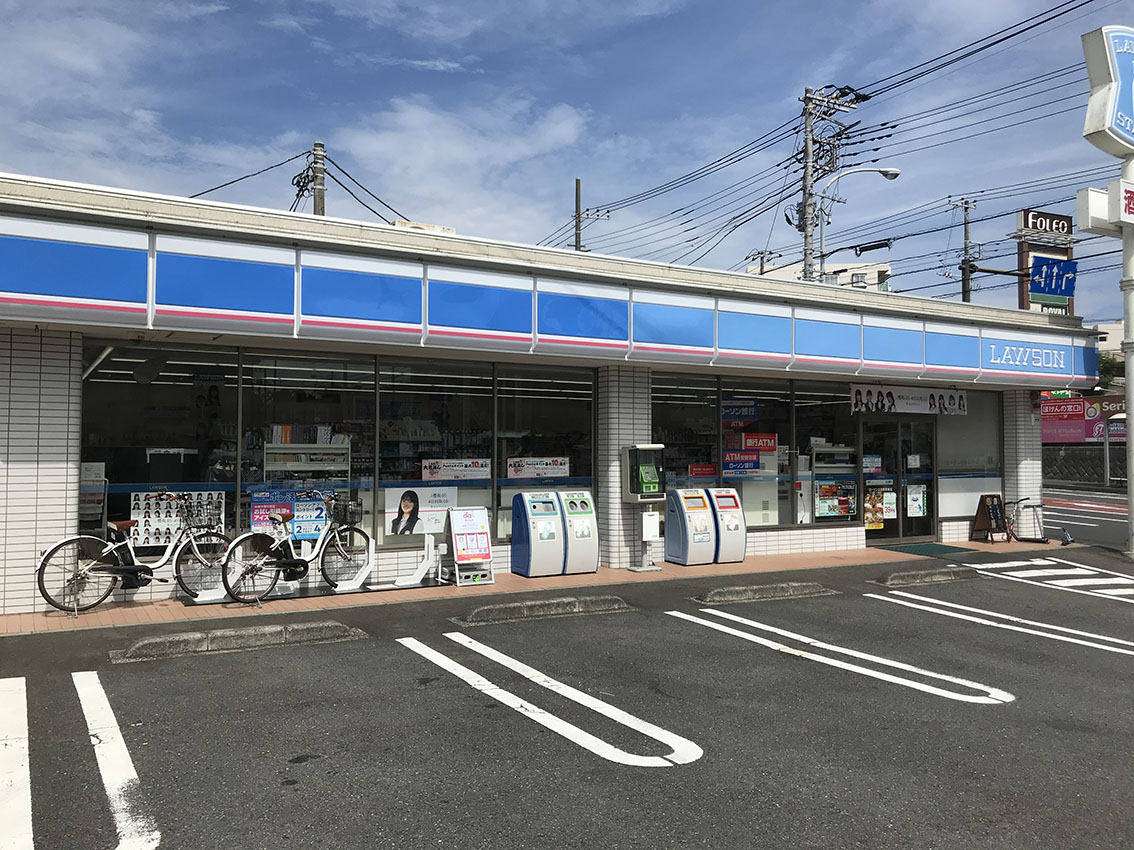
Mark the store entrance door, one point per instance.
(899, 481)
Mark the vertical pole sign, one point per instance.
(1109, 126)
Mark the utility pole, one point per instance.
(968, 262)
(763, 256)
(820, 105)
(578, 214)
(808, 210)
(318, 170)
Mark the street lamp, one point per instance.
(888, 173)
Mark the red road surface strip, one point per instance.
(1097, 507)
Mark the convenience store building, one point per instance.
(240, 353)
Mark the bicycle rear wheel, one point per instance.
(346, 553)
(249, 572)
(197, 564)
(70, 576)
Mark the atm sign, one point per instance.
(751, 442)
(741, 462)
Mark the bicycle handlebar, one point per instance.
(326, 497)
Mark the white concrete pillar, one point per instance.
(40, 442)
(1023, 447)
(623, 419)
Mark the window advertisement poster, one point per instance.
(872, 508)
(310, 514)
(872, 463)
(456, 469)
(702, 470)
(159, 520)
(876, 398)
(835, 498)
(421, 510)
(469, 531)
(736, 413)
(744, 442)
(741, 463)
(889, 505)
(915, 500)
(539, 467)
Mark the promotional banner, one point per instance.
(702, 470)
(469, 529)
(539, 467)
(1081, 420)
(872, 398)
(420, 510)
(741, 463)
(159, 521)
(310, 514)
(456, 469)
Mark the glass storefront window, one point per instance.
(756, 450)
(969, 455)
(153, 418)
(308, 421)
(826, 442)
(435, 443)
(545, 433)
(684, 411)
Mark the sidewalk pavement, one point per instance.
(112, 614)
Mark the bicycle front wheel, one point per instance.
(71, 576)
(344, 556)
(197, 564)
(249, 571)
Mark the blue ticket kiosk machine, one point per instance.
(732, 535)
(537, 534)
(690, 535)
(581, 526)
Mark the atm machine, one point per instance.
(581, 527)
(690, 534)
(537, 535)
(728, 517)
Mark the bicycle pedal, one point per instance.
(162, 580)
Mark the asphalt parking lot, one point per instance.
(985, 713)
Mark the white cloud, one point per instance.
(446, 22)
(482, 168)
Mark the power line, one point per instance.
(253, 174)
(367, 191)
(353, 195)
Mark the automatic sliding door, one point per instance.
(920, 496)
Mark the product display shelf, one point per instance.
(306, 461)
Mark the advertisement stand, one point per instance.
(472, 548)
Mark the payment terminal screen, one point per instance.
(726, 502)
(544, 506)
(695, 503)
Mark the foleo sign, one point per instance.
(1063, 408)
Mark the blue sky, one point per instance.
(480, 115)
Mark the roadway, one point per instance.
(988, 713)
(1092, 517)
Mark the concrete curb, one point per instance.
(928, 576)
(763, 592)
(563, 606)
(234, 640)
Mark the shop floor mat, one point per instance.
(931, 550)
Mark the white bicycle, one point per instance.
(79, 572)
(256, 560)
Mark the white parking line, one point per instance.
(936, 606)
(15, 773)
(136, 829)
(684, 751)
(995, 571)
(995, 696)
(1073, 571)
(1089, 582)
(1117, 591)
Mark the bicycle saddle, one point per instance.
(281, 517)
(122, 524)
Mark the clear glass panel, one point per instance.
(435, 444)
(826, 439)
(545, 434)
(156, 417)
(684, 413)
(756, 429)
(881, 479)
(917, 459)
(308, 422)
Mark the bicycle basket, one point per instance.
(200, 514)
(347, 511)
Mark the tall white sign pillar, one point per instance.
(1109, 126)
